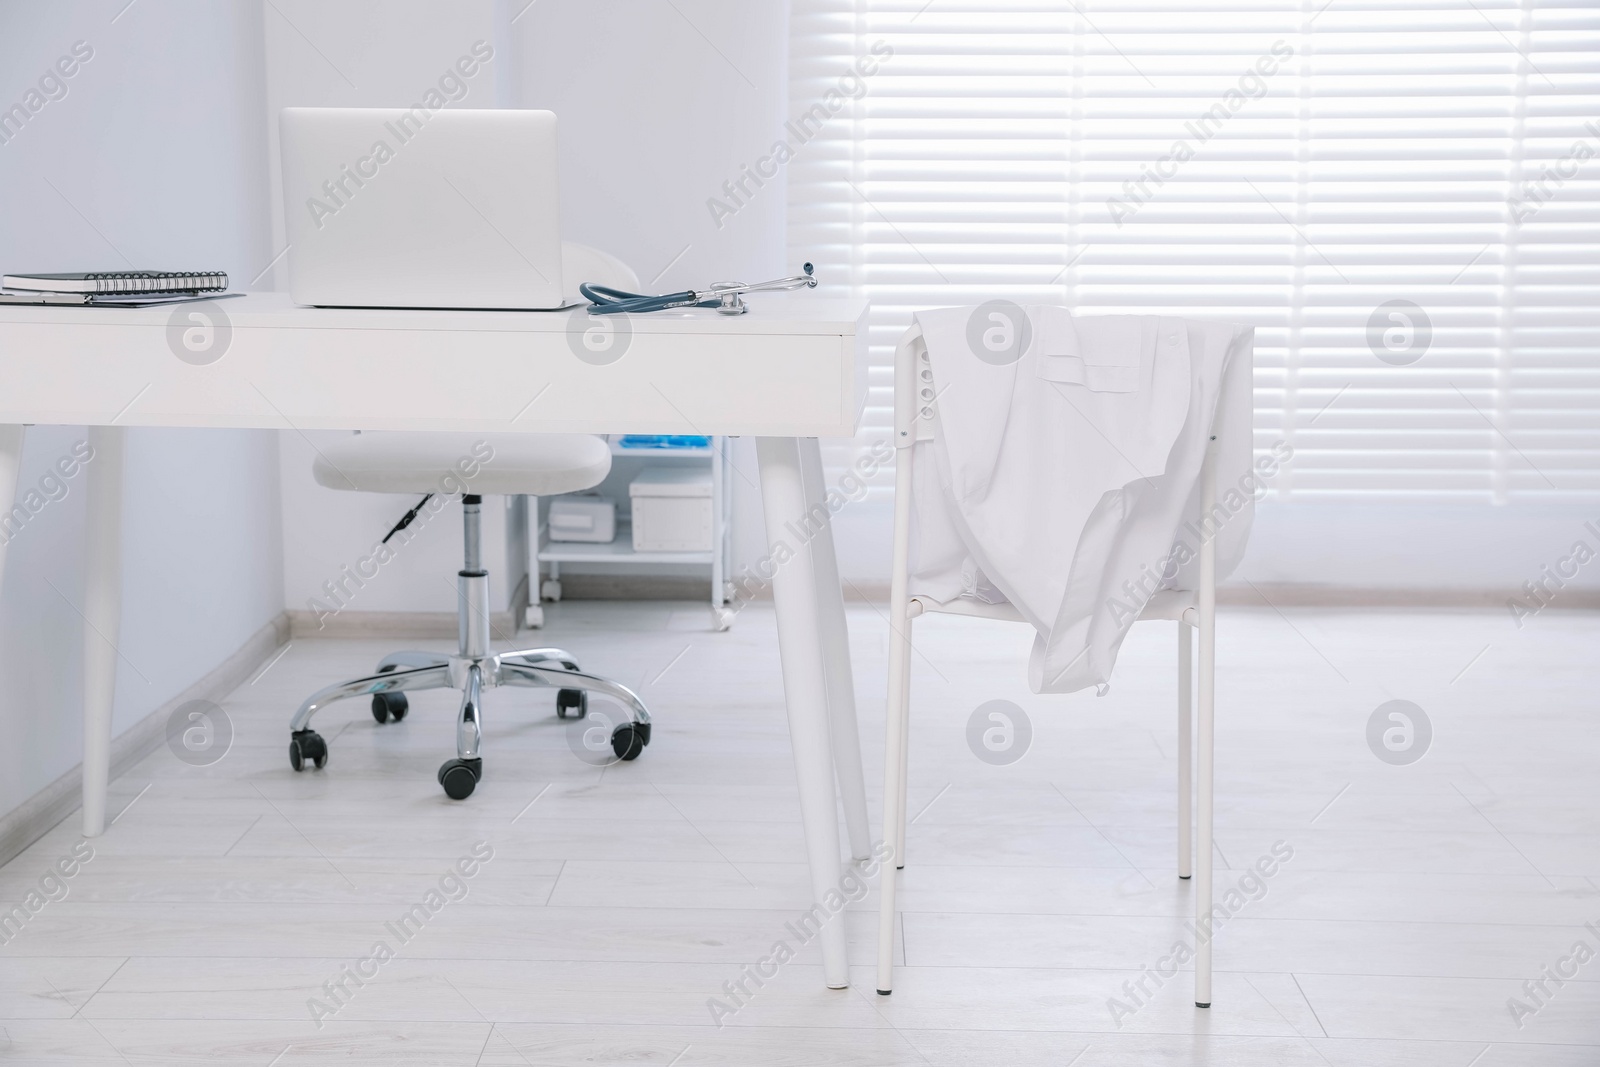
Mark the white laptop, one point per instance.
(388, 207)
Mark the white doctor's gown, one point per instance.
(1067, 482)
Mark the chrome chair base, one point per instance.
(472, 670)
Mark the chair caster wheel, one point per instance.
(550, 589)
(460, 777)
(629, 739)
(572, 704)
(307, 745)
(721, 619)
(389, 706)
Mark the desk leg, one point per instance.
(10, 462)
(102, 615)
(800, 646)
(836, 650)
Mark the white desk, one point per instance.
(792, 370)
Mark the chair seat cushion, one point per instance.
(479, 463)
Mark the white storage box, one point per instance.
(583, 518)
(672, 510)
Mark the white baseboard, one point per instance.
(34, 817)
(412, 625)
(1298, 595)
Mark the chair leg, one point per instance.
(905, 748)
(459, 777)
(537, 676)
(469, 725)
(1185, 750)
(897, 716)
(1206, 741)
(894, 794)
(411, 659)
(541, 655)
(436, 677)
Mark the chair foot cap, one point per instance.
(1207, 1004)
(900, 867)
(844, 986)
(884, 992)
(1183, 877)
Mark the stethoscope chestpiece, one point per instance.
(729, 294)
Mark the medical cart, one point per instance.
(550, 555)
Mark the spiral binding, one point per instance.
(125, 283)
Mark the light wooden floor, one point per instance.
(1418, 899)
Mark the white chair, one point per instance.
(1191, 610)
(474, 465)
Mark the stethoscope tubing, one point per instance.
(604, 300)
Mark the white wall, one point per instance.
(153, 158)
(660, 104)
(1462, 547)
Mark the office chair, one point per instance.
(481, 464)
(1191, 609)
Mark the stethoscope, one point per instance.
(724, 296)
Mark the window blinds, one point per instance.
(1402, 198)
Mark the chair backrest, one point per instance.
(913, 390)
(915, 397)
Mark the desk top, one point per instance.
(795, 366)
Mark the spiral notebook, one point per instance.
(110, 300)
(120, 283)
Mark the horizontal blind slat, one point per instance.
(1433, 152)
